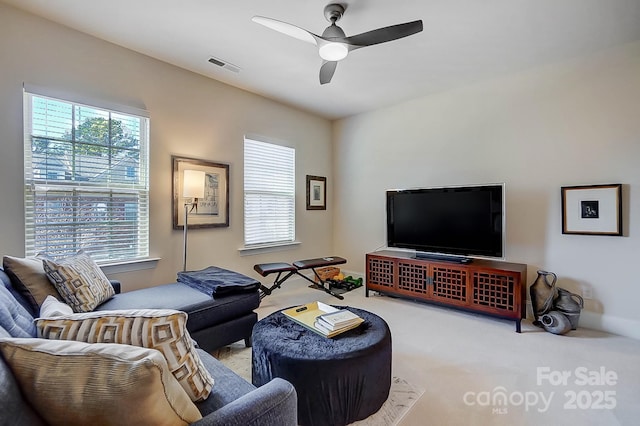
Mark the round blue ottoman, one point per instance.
(339, 380)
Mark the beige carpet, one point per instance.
(401, 396)
(454, 355)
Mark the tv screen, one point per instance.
(461, 221)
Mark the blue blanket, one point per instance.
(215, 281)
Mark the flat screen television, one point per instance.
(457, 221)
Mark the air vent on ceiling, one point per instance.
(224, 64)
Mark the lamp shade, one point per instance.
(193, 184)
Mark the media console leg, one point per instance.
(518, 327)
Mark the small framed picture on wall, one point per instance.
(316, 193)
(592, 209)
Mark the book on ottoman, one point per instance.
(309, 316)
(337, 320)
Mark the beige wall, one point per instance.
(191, 116)
(570, 124)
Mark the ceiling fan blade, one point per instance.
(326, 71)
(288, 29)
(382, 35)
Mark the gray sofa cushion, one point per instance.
(204, 311)
(235, 402)
(15, 410)
(227, 388)
(273, 404)
(14, 319)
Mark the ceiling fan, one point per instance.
(333, 45)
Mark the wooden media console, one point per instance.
(488, 287)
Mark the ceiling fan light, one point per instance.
(333, 51)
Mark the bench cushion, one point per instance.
(265, 269)
(318, 262)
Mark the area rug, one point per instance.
(402, 395)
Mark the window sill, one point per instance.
(267, 248)
(129, 266)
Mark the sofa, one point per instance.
(213, 322)
(232, 400)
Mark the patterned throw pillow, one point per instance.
(161, 329)
(75, 383)
(79, 280)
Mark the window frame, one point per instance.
(77, 189)
(249, 190)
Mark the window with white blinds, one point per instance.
(269, 193)
(86, 180)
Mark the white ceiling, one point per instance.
(463, 41)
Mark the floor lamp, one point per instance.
(192, 187)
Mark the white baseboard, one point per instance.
(610, 324)
(601, 322)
